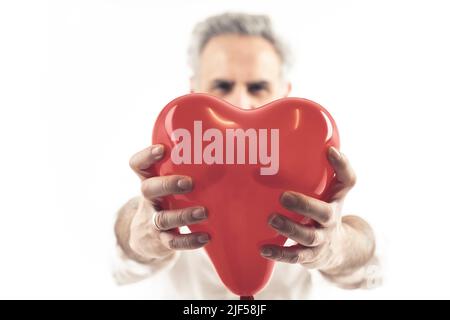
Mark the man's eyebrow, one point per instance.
(262, 83)
(217, 82)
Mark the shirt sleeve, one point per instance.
(368, 276)
(126, 270)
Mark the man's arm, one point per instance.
(358, 267)
(122, 228)
(129, 266)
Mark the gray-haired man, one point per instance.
(238, 58)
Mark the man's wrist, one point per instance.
(356, 248)
(122, 230)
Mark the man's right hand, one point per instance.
(151, 234)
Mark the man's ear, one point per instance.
(288, 89)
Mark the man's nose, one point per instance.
(242, 99)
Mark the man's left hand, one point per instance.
(325, 245)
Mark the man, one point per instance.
(238, 58)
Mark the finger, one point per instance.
(280, 253)
(183, 241)
(156, 187)
(308, 257)
(320, 211)
(170, 219)
(144, 159)
(344, 172)
(306, 236)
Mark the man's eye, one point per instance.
(256, 88)
(224, 87)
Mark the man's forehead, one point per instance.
(237, 44)
(237, 48)
(232, 56)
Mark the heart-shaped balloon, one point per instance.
(241, 161)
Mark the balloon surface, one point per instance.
(241, 161)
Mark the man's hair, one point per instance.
(238, 24)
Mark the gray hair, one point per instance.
(239, 24)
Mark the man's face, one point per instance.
(243, 70)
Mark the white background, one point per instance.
(81, 83)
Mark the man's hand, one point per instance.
(146, 233)
(338, 245)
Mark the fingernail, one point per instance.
(276, 222)
(184, 184)
(203, 238)
(199, 214)
(266, 252)
(157, 151)
(289, 199)
(334, 154)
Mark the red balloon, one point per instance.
(241, 161)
